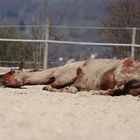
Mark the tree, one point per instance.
(13, 51)
(121, 13)
(37, 33)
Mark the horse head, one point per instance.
(13, 78)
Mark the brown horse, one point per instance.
(115, 77)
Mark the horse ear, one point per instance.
(21, 65)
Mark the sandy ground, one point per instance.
(33, 114)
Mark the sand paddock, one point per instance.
(33, 114)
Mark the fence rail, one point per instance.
(71, 27)
(69, 42)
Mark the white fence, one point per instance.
(132, 45)
(75, 43)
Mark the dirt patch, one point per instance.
(33, 114)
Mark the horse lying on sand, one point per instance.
(108, 76)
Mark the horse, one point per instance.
(108, 76)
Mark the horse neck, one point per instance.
(38, 77)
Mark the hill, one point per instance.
(85, 12)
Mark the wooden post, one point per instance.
(46, 43)
(133, 42)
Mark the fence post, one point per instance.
(133, 42)
(46, 43)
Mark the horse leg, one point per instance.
(131, 87)
(67, 89)
(110, 92)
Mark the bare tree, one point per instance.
(37, 48)
(121, 13)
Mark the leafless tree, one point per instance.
(37, 48)
(121, 13)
